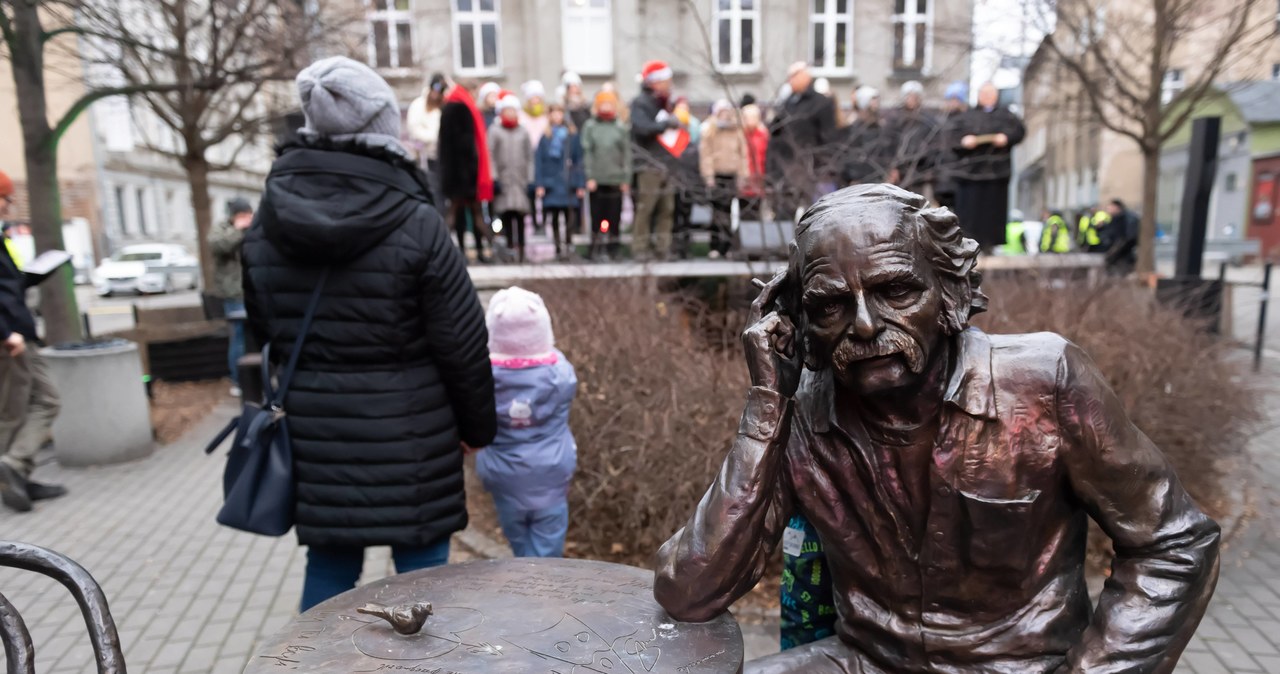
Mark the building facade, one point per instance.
(718, 48)
(1069, 161)
(145, 194)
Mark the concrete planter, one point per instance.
(105, 417)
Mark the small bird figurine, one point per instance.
(405, 619)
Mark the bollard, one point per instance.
(1262, 317)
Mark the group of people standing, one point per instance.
(505, 162)
(525, 162)
(1112, 230)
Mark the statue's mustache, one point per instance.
(887, 343)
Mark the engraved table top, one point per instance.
(535, 616)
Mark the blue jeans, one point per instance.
(535, 533)
(235, 342)
(332, 571)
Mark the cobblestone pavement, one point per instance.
(187, 595)
(190, 596)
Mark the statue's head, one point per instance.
(879, 282)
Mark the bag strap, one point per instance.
(276, 398)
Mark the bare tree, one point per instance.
(1115, 54)
(242, 50)
(26, 40)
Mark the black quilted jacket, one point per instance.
(395, 371)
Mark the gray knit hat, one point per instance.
(346, 100)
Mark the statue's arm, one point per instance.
(1166, 561)
(726, 545)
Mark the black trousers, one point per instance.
(682, 225)
(513, 227)
(722, 195)
(553, 216)
(458, 212)
(983, 209)
(606, 206)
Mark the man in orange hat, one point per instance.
(31, 402)
(654, 196)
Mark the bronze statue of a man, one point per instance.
(950, 474)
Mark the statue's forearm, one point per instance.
(723, 550)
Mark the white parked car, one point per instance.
(147, 268)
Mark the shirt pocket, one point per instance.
(1001, 531)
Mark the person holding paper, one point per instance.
(28, 399)
(984, 138)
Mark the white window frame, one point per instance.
(393, 18)
(584, 11)
(1172, 84)
(735, 14)
(909, 19)
(476, 17)
(830, 18)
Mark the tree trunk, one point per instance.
(57, 295)
(197, 168)
(1147, 228)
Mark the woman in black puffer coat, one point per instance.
(394, 377)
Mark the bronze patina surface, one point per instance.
(950, 474)
(531, 616)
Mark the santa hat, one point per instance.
(519, 325)
(489, 88)
(864, 95)
(655, 71)
(506, 101)
(533, 89)
(571, 79)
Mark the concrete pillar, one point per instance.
(105, 417)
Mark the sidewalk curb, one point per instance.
(481, 545)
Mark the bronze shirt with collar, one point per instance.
(1032, 442)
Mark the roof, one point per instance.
(1258, 102)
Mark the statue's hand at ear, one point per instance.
(771, 342)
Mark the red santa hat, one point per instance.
(655, 71)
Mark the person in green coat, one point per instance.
(606, 163)
(225, 239)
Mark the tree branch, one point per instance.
(69, 117)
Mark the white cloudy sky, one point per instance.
(1003, 28)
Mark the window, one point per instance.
(735, 27)
(476, 28)
(586, 37)
(831, 36)
(1230, 182)
(142, 213)
(912, 33)
(390, 33)
(1172, 84)
(121, 221)
(1275, 71)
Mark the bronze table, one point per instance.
(543, 616)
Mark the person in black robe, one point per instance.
(984, 141)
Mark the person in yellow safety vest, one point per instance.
(1015, 240)
(11, 247)
(1056, 236)
(1088, 234)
